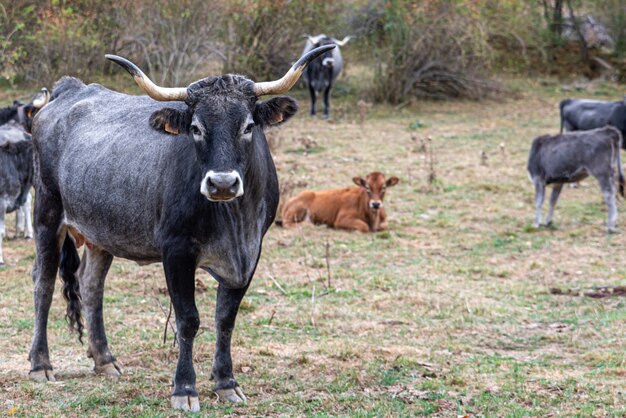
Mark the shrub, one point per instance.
(436, 49)
(263, 38)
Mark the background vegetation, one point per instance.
(417, 49)
(460, 309)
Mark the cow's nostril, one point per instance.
(222, 186)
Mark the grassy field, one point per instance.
(453, 311)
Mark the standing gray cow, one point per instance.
(321, 74)
(190, 183)
(570, 157)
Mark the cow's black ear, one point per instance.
(171, 121)
(359, 181)
(392, 181)
(275, 111)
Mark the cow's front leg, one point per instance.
(350, 224)
(554, 197)
(226, 308)
(313, 94)
(540, 191)
(180, 266)
(327, 101)
(23, 222)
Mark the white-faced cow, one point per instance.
(190, 183)
(583, 114)
(353, 208)
(570, 157)
(321, 74)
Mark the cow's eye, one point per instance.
(249, 128)
(195, 131)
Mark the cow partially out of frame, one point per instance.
(16, 164)
(585, 114)
(190, 183)
(571, 157)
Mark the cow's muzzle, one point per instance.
(376, 204)
(221, 187)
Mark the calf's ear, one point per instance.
(171, 121)
(392, 181)
(275, 111)
(359, 181)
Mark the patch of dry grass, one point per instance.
(449, 312)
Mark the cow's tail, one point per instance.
(561, 106)
(71, 291)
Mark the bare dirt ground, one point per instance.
(461, 308)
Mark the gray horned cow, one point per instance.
(321, 74)
(570, 157)
(208, 192)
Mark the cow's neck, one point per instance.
(235, 244)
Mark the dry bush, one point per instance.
(173, 40)
(265, 37)
(54, 38)
(434, 49)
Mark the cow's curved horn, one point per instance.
(343, 41)
(163, 94)
(292, 76)
(40, 102)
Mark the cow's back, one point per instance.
(96, 149)
(329, 204)
(586, 114)
(556, 158)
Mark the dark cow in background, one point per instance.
(570, 157)
(16, 164)
(10, 113)
(321, 74)
(23, 114)
(11, 134)
(190, 183)
(16, 178)
(583, 114)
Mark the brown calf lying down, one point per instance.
(352, 208)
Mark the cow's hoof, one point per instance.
(42, 376)
(231, 395)
(186, 403)
(109, 369)
(612, 231)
